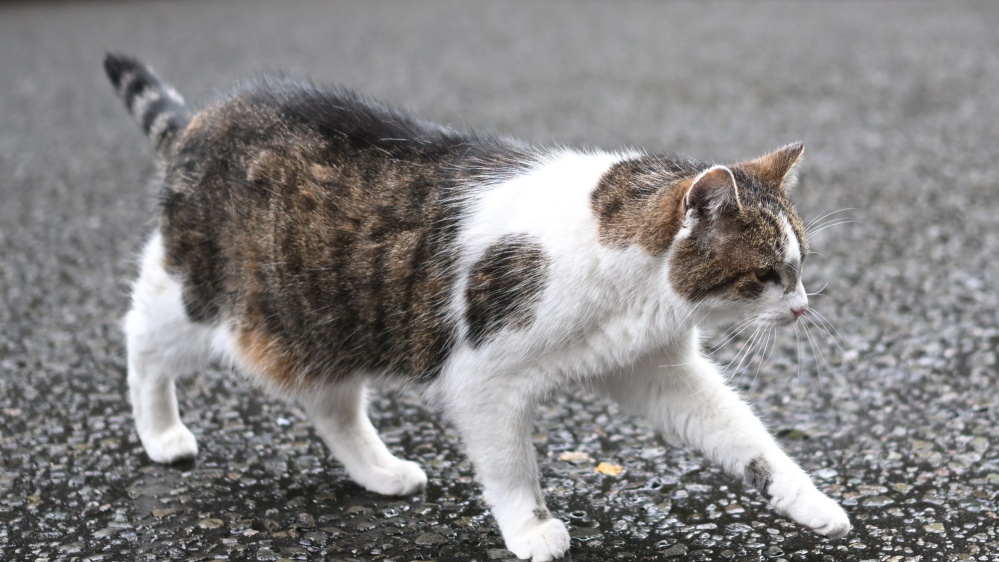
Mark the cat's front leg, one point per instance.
(793, 494)
(494, 418)
(685, 397)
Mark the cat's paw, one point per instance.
(394, 478)
(540, 540)
(175, 444)
(818, 512)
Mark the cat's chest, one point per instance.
(616, 338)
(581, 328)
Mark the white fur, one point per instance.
(610, 318)
(797, 299)
(340, 418)
(161, 343)
(607, 318)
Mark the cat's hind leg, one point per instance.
(162, 343)
(339, 415)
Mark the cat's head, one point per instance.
(740, 246)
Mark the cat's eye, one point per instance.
(767, 275)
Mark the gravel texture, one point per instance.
(896, 416)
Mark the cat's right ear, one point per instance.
(714, 190)
(778, 167)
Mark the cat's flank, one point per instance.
(317, 240)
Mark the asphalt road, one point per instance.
(897, 419)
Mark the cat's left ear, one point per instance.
(778, 167)
(713, 191)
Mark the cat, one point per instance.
(317, 240)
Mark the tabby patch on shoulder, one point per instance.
(319, 240)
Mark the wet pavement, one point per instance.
(896, 417)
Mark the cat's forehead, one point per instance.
(769, 216)
(771, 233)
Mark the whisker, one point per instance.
(742, 326)
(817, 355)
(834, 334)
(822, 323)
(770, 342)
(738, 354)
(797, 345)
(732, 333)
(741, 350)
(691, 312)
(693, 325)
(835, 220)
(828, 217)
(754, 350)
(813, 227)
(825, 216)
(821, 227)
(819, 292)
(744, 352)
(773, 346)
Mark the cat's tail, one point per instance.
(158, 108)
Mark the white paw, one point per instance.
(174, 444)
(540, 540)
(397, 478)
(818, 512)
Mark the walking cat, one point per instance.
(317, 240)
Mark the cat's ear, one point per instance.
(713, 190)
(777, 168)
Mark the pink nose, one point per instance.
(799, 311)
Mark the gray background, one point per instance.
(896, 103)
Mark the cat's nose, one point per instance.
(799, 310)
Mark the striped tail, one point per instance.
(157, 107)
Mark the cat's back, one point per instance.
(268, 127)
(313, 216)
